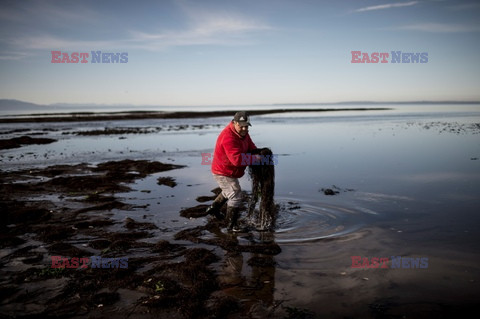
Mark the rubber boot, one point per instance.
(217, 204)
(233, 213)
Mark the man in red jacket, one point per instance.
(230, 159)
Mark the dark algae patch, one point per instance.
(59, 212)
(47, 212)
(17, 142)
(167, 181)
(141, 115)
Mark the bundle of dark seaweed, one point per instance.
(262, 174)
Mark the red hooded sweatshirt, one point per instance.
(227, 158)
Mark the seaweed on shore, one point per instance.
(163, 286)
(17, 142)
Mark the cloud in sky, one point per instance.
(13, 55)
(48, 42)
(201, 27)
(387, 6)
(215, 28)
(185, 52)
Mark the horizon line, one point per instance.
(260, 104)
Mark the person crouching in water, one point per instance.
(228, 165)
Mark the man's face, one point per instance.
(241, 130)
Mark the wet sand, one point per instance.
(66, 210)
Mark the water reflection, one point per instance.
(248, 270)
(250, 276)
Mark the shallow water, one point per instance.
(408, 184)
(308, 221)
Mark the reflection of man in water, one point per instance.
(229, 165)
(232, 269)
(253, 285)
(256, 291)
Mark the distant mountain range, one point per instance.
(19, 105)
(9, 104)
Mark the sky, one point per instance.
(242, 52)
